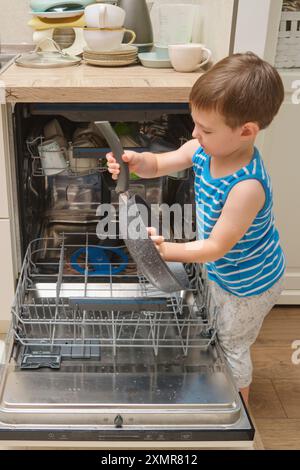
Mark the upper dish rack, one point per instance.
(49, 158)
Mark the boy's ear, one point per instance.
(250, 129)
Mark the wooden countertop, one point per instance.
(97, 84)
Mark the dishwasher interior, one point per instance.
(94, 351)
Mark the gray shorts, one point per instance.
(238, 322)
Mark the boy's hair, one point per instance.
(243, 88)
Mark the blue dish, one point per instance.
(99, 260)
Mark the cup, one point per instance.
(105, 40)
(188, 57)
(104, 16)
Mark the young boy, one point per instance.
(240, 245)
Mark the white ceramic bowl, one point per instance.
(162, 52)
(43, 5)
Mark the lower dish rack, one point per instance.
(76, 297)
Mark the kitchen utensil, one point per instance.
(62, 35)
(43, 5)
(65, 8)
(124, 49)
(104, 39)
(167, 277)
(102, 15)
(86, 137)
(162, 52)
(53, 129)
(189, 57)
(124, 53)
(138, 19)
(99, 260)
(47, 59)
(109, 62)
(151, 59)
(57, 14)
(144, 47)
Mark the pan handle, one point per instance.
(114, 142)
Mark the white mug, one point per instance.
(104, 16)
(188, 57)
(106, 40)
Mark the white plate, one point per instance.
(150, 59)
(109, 63)
(109, 57)
(123, 49)
(55, 14)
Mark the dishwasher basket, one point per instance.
(71, 305)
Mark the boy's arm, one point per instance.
(244, 201)
(152, 165)
(177, 160)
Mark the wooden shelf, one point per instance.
(89, 84)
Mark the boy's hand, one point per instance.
(158, 240)
(132, 158)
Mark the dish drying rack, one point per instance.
(75, 161)
(59, 313)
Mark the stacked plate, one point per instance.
(125, 55)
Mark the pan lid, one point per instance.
(47, 59)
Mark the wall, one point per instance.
(212, 27)
(13, 22)
(265, 25)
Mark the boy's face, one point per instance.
(217, 139)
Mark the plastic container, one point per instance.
(174, 23)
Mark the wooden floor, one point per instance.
(275, 392)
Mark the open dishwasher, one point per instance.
(95, 353)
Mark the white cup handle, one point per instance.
(133, 35)
(102, 14)
(209, 54)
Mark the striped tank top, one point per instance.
(257, 261)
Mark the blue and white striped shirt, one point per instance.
(257, 261)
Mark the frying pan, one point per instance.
(167, 277)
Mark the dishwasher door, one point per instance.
(132, 397)
(108, 357)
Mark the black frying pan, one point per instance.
(167, 277)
